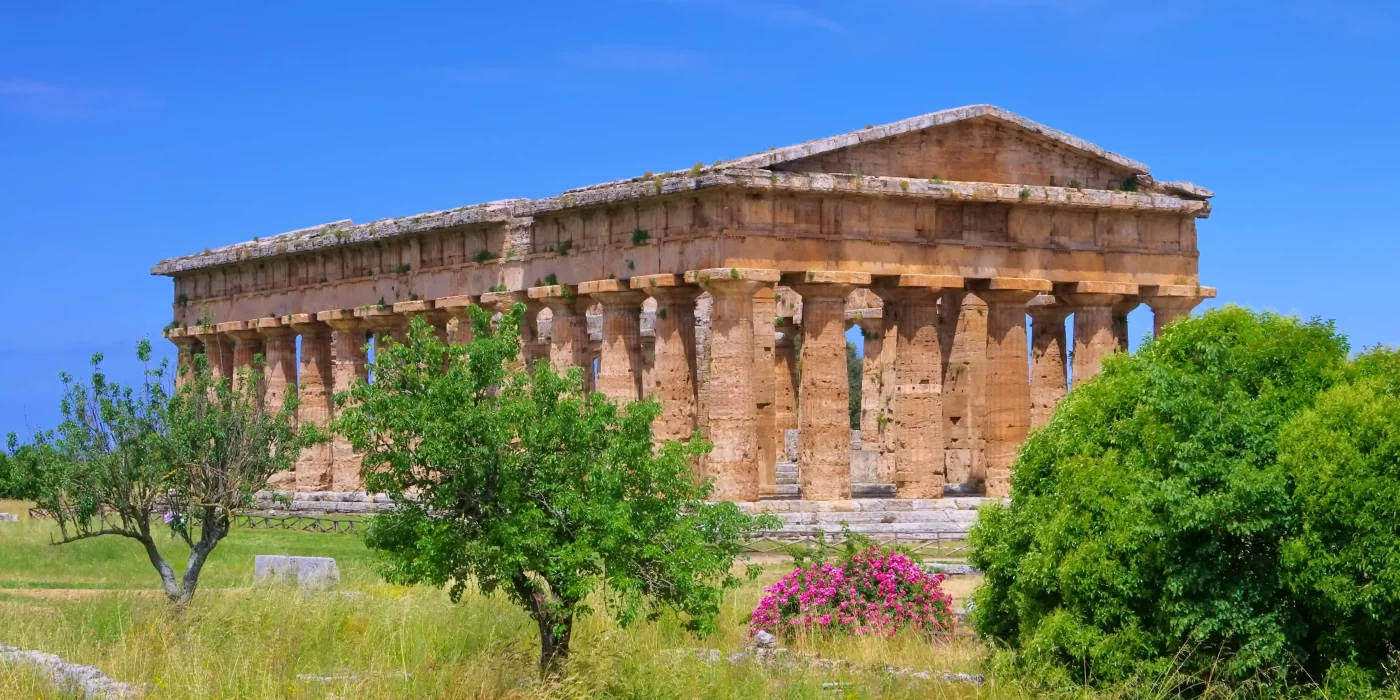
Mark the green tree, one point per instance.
(126, 457)
(1149, 519)
(854, 378)
(521, 481)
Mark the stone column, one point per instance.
(1008, 377)
(733, 420)
(917, 434)
(314, 467)
(431, 315)
(247, 345)
(785, 374)
(458, 308)
(1094, 339)
(620, 355)
(502, 302)
(673, 371)
(348, 341)
(824, 449)
(569, 328)
(1049, 381)
(185, 347)
(764, 391)
(1172, 301)
(218, 351)
(382, 322)
(279, 378)
(963, 332)
(1120, 320)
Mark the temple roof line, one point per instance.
(749, 172)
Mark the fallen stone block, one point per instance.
(11, 517)
(308, 572)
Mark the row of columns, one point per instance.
(757, 383)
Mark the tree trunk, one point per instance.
(554, 644)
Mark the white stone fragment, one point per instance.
(307, 572)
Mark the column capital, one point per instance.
(984, 286)
(378, 317)
(825, 282)
(732, 280)
(1175, 296)
(238, 330)
(458, 306)
(306, 324)
(342, 320)
(426, 308)
(667, 288)
(180, 337)
(940, 282)
(1095, 293)
(503, 300)
(1048, 308)
(273, 327)
(560, 298)
(612, 292)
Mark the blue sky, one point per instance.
(132, 132)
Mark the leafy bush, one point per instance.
(1219, 506)
(869, 590)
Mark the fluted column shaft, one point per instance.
(280, 348)
(247, 345)
(764, 391)
(620, 357)
(314, 467)
(348, 365)
(917, 425)
(1008, 384)
(785, 375)
(733, 420)
(673, 370)
(1094, 339)
(1048, 357)
(964, 337)
(1120, 320)
(185, 348)
(568, 342)
(824, 450)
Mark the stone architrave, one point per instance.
(1008, 375)
(185, 348)
(348, 365)
(1120, 320)
(458, 308)
(785, 382)
(824, 452)
(568, 341)
(1094, 339)
(673, 371)
(247, 346)
(1172, 301)
(733, 420)
(918, 453)
(620, 354)
(314, 467)
(428, 311)
(764, 391)
(1049, 352)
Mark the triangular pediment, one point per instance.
(979, 143)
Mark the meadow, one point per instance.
(96, 602)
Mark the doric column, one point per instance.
(427, 310)
(568, 334)
(918, 444)
(963, 332)
(458, 308)
(824, 452)
(673, 371)
(1094, 338)
(620, 355)
(785, 374)
(1172, 301)
(1120, 320)
(732, 416)
(218, 351)
(185, 347)
(764, 391)
(1008, 377)
(1049, 381)
(280, 356)
(502, 302)
(247, 345)
(313, 469)
(348, 341)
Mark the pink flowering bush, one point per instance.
(871, 591)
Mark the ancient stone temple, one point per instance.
(726, 291)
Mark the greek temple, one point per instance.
(726, 291)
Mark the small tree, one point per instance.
(522, 481)
(124, 456)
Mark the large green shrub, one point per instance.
(1222, 505)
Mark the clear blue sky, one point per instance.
(130, 132)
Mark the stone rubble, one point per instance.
(90, 681)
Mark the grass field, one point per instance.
(96, 602)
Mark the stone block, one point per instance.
(311, 573)
(790, 444)
(8, 517)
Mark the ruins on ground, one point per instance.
(726, 291)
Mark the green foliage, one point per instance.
(525, 483)
(854, 379)
(1219, 505)
(499, 288)
(640, 236)
(482, 256)
(124, 456)
(566, 246)
(17, 473)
